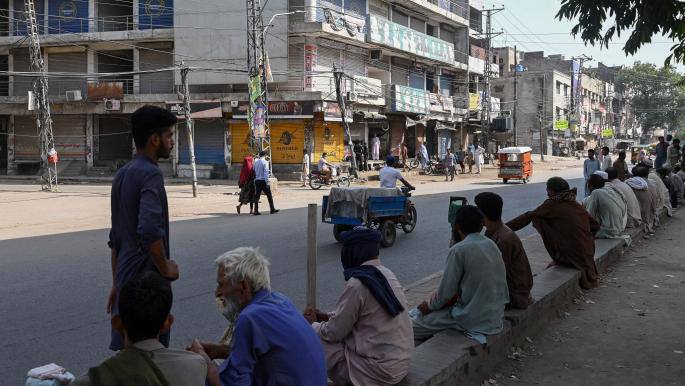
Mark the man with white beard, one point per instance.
(272, 343)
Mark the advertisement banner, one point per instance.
(387, 33)
(287, 141)
(278, 109)
(608, 132)
(409, 99)
(240, 141)
(329, 138)
(474, 101)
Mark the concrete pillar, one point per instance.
(10, 67)
(10, 10)
(11, 165)
(310, 10)
(136, 67)
(136, 8)
(89, 141)
(92, 16)
(46, 14)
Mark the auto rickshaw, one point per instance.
(635, 152)
(515, 163)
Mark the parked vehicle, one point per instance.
(434, 167)
(515, 163)
(317, 180)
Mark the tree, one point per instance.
(657, 98)
(600, 20)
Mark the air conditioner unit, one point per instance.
(376, 54)
(234, 103)
(352, 96)
(112, 105)
(74, 95)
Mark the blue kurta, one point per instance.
(140, 216)
(273, 345)
(476, 273)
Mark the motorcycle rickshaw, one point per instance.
(515, 163)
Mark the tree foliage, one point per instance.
(599, 21)
(657, 97)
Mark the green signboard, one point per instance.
(608, 132)
(409, 99)
(561, 125)
(387, 33)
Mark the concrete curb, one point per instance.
(450, 358)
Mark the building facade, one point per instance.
(406, 79)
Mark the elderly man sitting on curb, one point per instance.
(272, 343)
(566, 228)
(633, 215)
(607, 207)
(368, 338)
(473, 290)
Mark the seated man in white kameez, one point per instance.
(368, 338)
(607, 207)
(473, 290)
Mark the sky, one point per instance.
(531, 25)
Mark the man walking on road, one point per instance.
(261, 169)
(305, 167)
(661, 153)
(139, 238)
(450, 165)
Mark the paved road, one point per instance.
(52, 305)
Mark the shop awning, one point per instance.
(369, 115)
(442, 126)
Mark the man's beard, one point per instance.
(228, 308)
(162, 153)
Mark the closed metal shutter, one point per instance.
(68, 62)
(156, 82)
(327, 57)
(114, 138)
(70, 136)
(355, 64)
(26, 143)
(209, 142)
(446, 83)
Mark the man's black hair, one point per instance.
(595, 181)
(557, 185)
(612, 172)
(149, 120)
(324, 154)
(469, 219)
(262, 153)
(641, 171)
(622, 155)
(591, 151)
(676, 140)
(490, 204)
(605, 148)
(144, 304)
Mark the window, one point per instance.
(431, 30)
(565, 90)
(558, 88)
(400, 17)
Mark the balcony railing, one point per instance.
(115, 23)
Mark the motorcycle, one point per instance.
(317, 180)
(434, 167)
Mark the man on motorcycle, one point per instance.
(325, 168)
(389, 175)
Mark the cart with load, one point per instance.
(515, 163)
(382, 209)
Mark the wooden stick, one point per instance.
(311, 255)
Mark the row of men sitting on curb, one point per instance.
(370, 336)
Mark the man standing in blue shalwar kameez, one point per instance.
(139, 238)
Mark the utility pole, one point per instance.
(48, 153)
(516, 94)
(577, 94)
(338, 75)
(257, 68)
(189, 124)
(487, 73)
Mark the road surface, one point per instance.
(54, 288)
